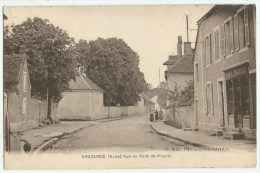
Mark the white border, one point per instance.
(133, 2)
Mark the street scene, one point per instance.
(154, 78)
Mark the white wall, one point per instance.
(179, 79)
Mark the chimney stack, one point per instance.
(179, 46)
(187, 48)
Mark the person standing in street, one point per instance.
(156, 115)
(161, 115)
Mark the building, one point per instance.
(149, 105)
(19, 105)
(179, 67)
(84, 100)
(225, 71)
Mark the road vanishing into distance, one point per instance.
(129, 134)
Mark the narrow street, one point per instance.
(130, 134)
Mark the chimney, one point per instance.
(179, 46)
(187, 48)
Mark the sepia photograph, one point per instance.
(129, 86)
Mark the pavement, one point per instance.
(201, 139)
(38, 136)
(42, 138)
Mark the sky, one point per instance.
(151, 31)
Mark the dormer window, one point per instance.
(24, 81)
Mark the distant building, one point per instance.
(84, 100)
(149, 105)
(179, 67)
(225, 71)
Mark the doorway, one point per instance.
(221, 103)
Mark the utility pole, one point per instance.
(187, 23)
(159, 78)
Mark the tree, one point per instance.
(50, 56)
(113, 65)
(187, 94)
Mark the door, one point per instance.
(6, 123)
(221, 104)
(238, 104)
(196, 115)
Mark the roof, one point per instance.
(214, 9)
(172, 59)
(183, 65)
(146, 98)
(12, 68)
(83, 83)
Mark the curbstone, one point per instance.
(46, 145)
(196, 144)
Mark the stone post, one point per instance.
(15, 137)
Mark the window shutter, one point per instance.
(231, 31)
(204, 51)
(236, 38)
(247, 40)
(205, 100)
(222, 42)
(210, 49)
(211, 99)
(241, 31)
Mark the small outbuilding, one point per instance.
(83, 101)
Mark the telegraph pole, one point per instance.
(187, 23)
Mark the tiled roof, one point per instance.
(183, 65)
(12, 67)
(172, 59)
(83, 83)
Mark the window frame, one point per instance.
(208, 62)
(24, 106)
(25, 85)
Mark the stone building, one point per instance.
(83, 101)
(179, 67)
(225, 72)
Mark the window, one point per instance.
(209, 99)
(216, 44)
(197, 72)
(222, 41)
(208, 55)
(229, 36)
(24, 106)
(24, 81)
(243, 28)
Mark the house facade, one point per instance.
(179, 67)
(84, 100)
(225, 71)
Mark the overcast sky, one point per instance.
(151, 31)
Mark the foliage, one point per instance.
(50, 55)
(113, 65)
(187, 94)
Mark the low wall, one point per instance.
(117, 111)
(180, 117)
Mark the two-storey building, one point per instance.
(225, 71)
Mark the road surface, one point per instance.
(130, 134)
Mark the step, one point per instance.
(187, 129)
(237, 130)
(215, 133)
(233, 135)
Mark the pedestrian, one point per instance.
(156, 115)
(161, 115)
(151, 117)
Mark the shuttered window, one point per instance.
(209, 99)
(216, 45)
(24, 106)
(231, 32)
(236, 38)
(204, 51)
(222, 40)
(208, 49)
(246, 27)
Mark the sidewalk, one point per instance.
(200, 138)
(38, 136)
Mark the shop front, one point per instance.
(240, 89)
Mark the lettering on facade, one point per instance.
(233, 73)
